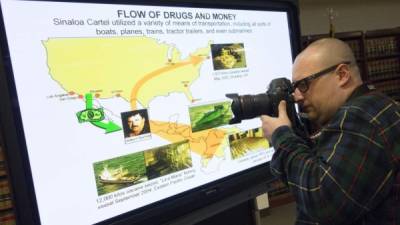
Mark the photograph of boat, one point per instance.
(210, 115)
(121, 172)
(117, 176)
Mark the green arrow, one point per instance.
(109, 127)
(89, 100)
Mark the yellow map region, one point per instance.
(126, 66)
(207, 143)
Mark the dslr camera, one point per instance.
(251, 106)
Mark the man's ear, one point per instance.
(343, 74)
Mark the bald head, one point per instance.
(327, 52)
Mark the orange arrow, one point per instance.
(194, 60)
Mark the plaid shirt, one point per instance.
(350, 174)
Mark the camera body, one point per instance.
(251, 106)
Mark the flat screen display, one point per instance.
(124, 105)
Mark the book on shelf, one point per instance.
(3, 171)
(7, 218)
(382, 46)
(5, 195)
(383, 69)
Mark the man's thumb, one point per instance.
(282, 109)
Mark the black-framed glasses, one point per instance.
(304, 83)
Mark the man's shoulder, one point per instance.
(373, 105)
(373, 100)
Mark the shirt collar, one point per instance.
(360, 90)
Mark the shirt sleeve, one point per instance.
(341, 178)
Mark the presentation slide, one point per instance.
(125, 105)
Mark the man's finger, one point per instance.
(282, 108)
(264, 117)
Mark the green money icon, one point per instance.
(90, 115)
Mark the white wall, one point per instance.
(352, 15)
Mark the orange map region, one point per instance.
(204, 143)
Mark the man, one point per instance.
(137, 124)
(350, 174)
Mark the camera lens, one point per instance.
(255, 105)
(249, 106)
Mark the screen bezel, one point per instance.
(14, 143)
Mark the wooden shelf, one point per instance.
(6, 208)
(279, 194)
(382, 33)
(377, 80)
(391, 55)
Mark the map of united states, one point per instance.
(123, 66)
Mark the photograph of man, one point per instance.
(135, 123)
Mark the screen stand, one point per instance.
(241, 214)
(239, 209)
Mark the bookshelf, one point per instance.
(378, 56)
(383, 60)
(7, 216)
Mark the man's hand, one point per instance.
(269, 124)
